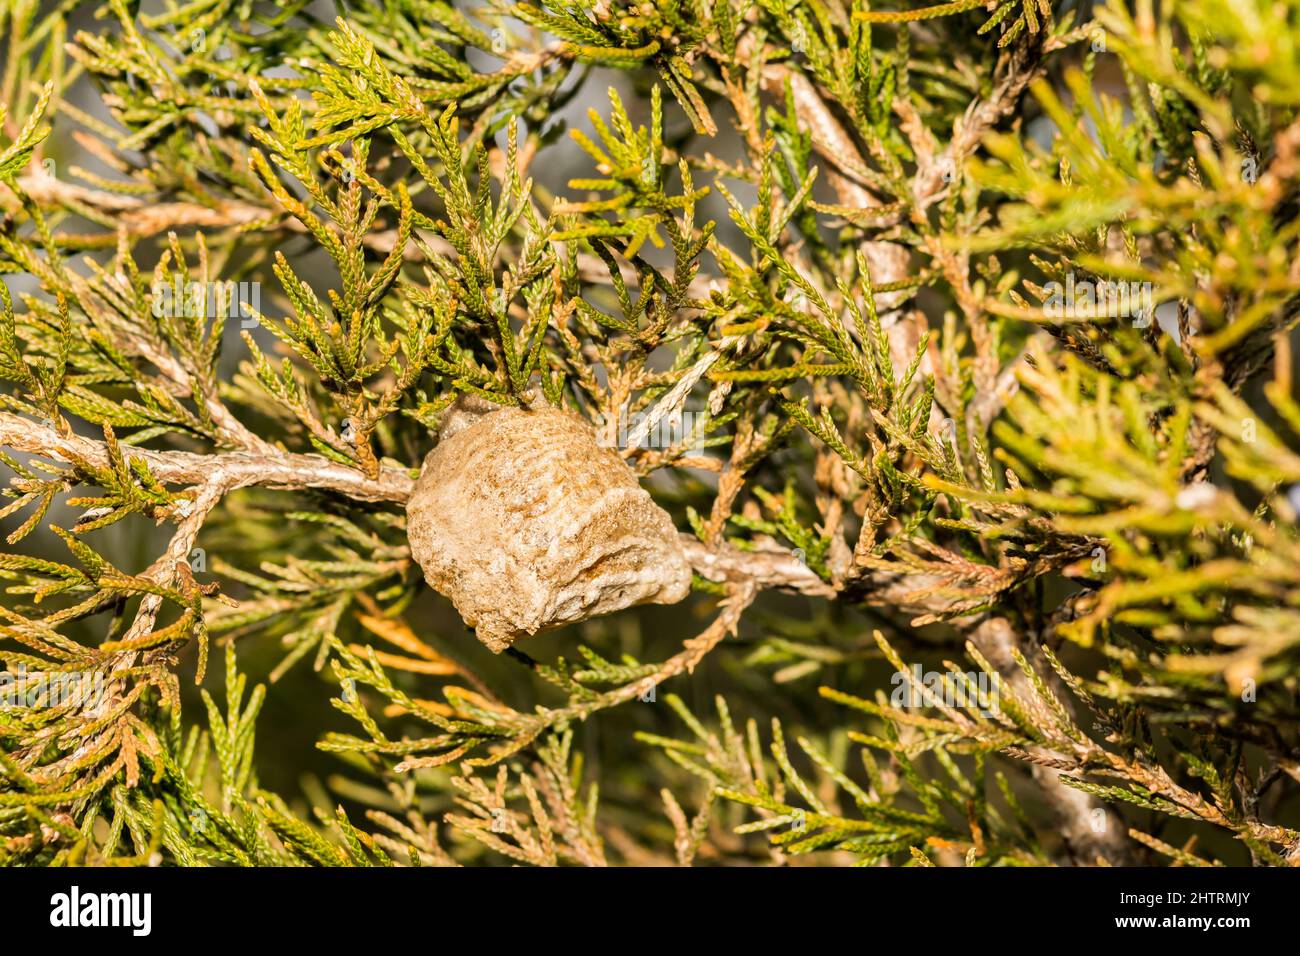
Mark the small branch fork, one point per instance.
(288, 471)
(210, 477)
(739, 597)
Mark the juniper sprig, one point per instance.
(955, 340)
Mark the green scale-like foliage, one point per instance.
(902, 457)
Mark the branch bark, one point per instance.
(995, 638)
(290, 471)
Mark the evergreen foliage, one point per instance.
(252, 251)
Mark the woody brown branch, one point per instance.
(290, 471)
(994, 637)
